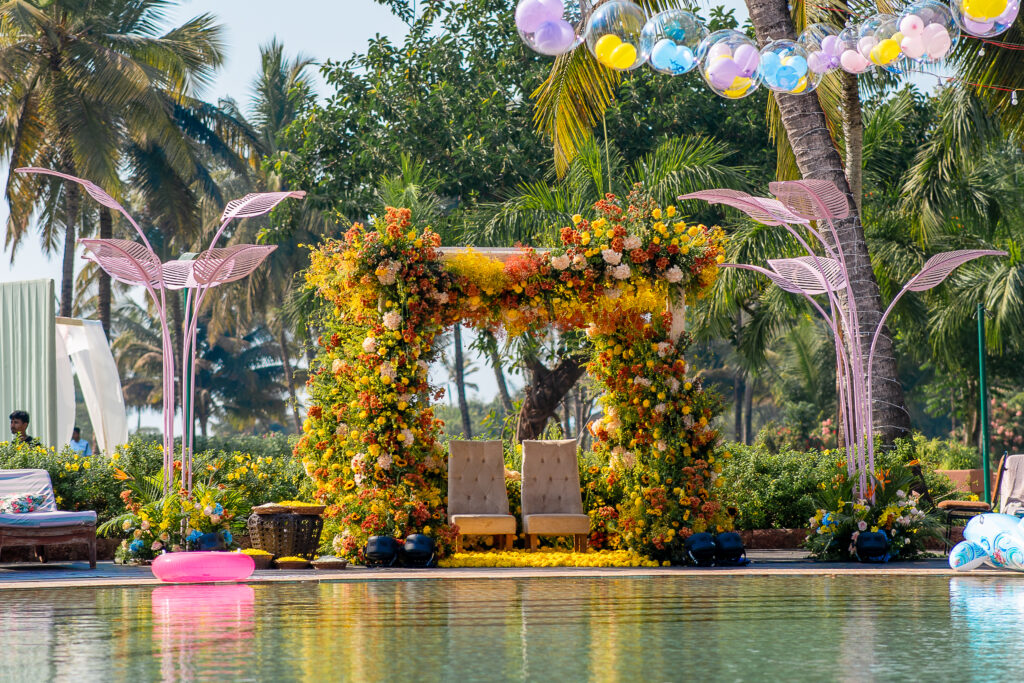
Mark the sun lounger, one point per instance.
(46, 525)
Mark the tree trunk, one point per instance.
(177, 335)
(106, 232)
(853, 136)
(460, 384)
(289, 378)
(748, 411)
(817, 158)
(737, 405)
(499, 374)
(545, 393)
(67, 284)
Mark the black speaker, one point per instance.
(381, 551)
(418, 551)
(729, 550)
(700, 548)
(872, 546)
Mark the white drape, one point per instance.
(101, 386)
(65, 393)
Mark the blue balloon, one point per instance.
(663, 54)
(786, 78)
(798, 64)
(770, 63)
(684, 59)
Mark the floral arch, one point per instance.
(624, 274)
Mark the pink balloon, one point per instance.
(865, 44)
(830, 45)
(932, 30)
(532, 14)
(913, 47)
(938, 45)
(719, 50)
(977, 28)
(817, 63)
(911, 25)
(853, 62)
(747, 58)
(723, 72)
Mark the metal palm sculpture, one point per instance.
(798, 203)
(137, 264)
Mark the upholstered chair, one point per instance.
(552, 504)
(477, 499)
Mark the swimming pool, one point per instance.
(800, 628)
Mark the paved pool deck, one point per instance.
(763, 563)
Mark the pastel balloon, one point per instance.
(830, 45)
(983, 10)
(866, 44)
(671, 38)
(911, 25)
(719, 50)
(978, 28)
(938, 45)
(739, 88)
(747, 58)
(888, 51)
(853, 62)
(532, 14)
(913, 47)
(723, 72)
(605, 46)
(614, 35)
(770, 63)
(622, 57)
(817, 62)
(554, 37)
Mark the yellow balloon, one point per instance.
(604, 47)
(738, 88)
(984, 10)
(801, 85)
(888, 51)
(875, 56)
(623, 57)
(898, 37)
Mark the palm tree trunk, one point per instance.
(106, 232)
(817, 158)
(460, 384)
(737, 403)
(499, 374)
(289, 378)
(853, 136)
(748, 411)
(545, 393)
(177, 334)
(67, 284)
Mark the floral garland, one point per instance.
(370, 443)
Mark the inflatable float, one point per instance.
(992, 538)
(203, 567)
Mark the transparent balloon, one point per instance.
(549, 26)
(985, 18)
(614, 33)
(671, 38)
(879, 41)
(783, 68)
(824, 49)
(729, 61)
(850, 59)
(928, 31)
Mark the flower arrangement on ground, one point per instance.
(370, 440)
(549, 557)
(890, 506)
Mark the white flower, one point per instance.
(628, 459)
(660, 408)
(409, 437)
(613, 293)
(342, 429)
(388, 272)
(591, 330)
(370, 345)
(157, 545)
(611, 257)
(673, 274)
(392, 320)
(388, 370)
(214, 519)
(384, 461)
(359, 478)
(673, 384)
(440, 297)
(579, 261)
(337, 366)
(642, 381)
(423, 367)
(357, 461)
(862, 525)
(901, 494)
(560, 262)
(687, 421)
(632, 242)
(661, 445)
(663, 349)
(144, 525)
(207, 510)
(621, 272)
(430, 462)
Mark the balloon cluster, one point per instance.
(621, 37)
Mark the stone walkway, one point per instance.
(764, 563)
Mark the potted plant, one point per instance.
(261, 558)
(208, 517)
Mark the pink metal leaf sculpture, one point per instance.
(761, 209)
(125, 261)
(256, 204)
(938, 267)
(218, 266)
(811, 274)
(812, 199)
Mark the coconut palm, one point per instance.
(78, 77)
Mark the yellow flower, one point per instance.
(576, 218)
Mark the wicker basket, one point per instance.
(286, 534)
(307, 509)
(269, 509)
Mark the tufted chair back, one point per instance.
(551, 478)
(476, 478)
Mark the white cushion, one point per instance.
(37, 520)
(20, 482)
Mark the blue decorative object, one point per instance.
(992, 538)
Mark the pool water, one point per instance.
(721, 628)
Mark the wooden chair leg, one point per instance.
(92, 552)
(533, 541)
(41, 553)
(581, 543)
(509, 540)
(458, 543)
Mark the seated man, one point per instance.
(80, 445)
(19, 427)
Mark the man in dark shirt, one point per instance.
(19, 425)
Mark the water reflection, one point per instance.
(705, 628)
(202, 629)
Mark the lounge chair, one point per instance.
(46, 525)
(966, 509)
(477, 499)
(552, 504)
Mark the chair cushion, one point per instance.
(556, 525)
(476, 479)
(27, 502)
(484, 525)
(551, 478)
(38, 520)
(964, 506)
(21, 482)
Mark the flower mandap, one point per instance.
(622, 274)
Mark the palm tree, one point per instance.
(78, 78)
